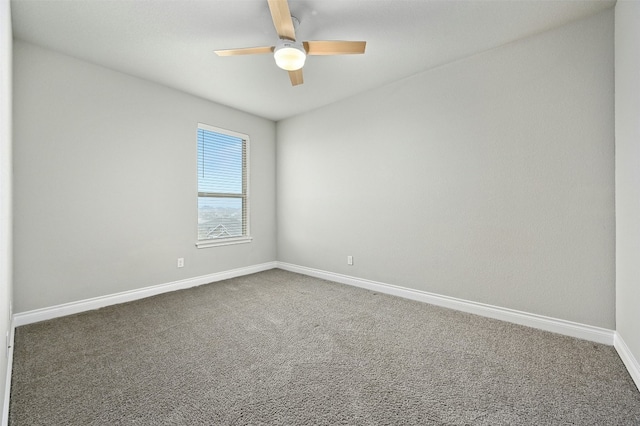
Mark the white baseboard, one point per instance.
(7, 385)
(71, 308)
(632, 364)
(555, 325)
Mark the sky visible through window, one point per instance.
(220, 172)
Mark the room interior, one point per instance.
(489, 165)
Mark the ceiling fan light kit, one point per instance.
(290, 55)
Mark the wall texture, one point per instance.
(490, 179)
(5, 192)
(105, 182)
(627, 125)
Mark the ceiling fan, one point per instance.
(290, 54)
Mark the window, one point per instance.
(223, 187)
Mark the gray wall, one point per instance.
(5, 189)
(627, 52)
(489, 179)
(105, 182)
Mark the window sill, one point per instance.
(223, 242)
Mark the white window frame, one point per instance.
(247, 217)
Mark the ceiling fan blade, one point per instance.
(282, 19)
(296, 77)
(326, 47)
(245, 51)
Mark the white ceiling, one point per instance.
(172, 42)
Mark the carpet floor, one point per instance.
(279, 348)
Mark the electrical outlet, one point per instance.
(181, 262)
(349, 260)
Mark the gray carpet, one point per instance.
(280, 348)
